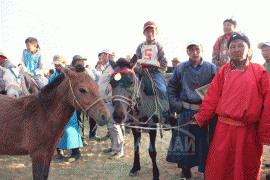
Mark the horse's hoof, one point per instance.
(134, 174)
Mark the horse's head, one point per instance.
(124, 89)
(84, 95)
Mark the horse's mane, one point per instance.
(52, 85)
(58, 80)
(45, 98)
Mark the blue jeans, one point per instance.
(158, 78)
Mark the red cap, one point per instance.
(149, 24)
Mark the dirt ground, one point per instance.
(95, 165)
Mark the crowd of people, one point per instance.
(222, 133)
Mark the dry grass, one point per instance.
(95, 165)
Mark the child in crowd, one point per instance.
(32, 61)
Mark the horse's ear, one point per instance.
(68, 73)
(113, 64)
(133, 61)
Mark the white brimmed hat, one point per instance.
(105, 50)
(57, 59)
(190, 43)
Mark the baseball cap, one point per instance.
(260, 45)
(105, 50)
(190, 43)
(79, 57)
(175, 59)
(149, 24)
(238, 35)
(57, 59)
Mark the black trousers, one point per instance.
(92, 124)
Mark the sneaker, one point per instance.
(96, 138)
(116, 156)
(109, 150)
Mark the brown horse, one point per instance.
(34, 124)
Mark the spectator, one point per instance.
(5, 62)
(240, 96)
(50, 73)
(59, 62)
(265, 48)
(79, 60)
(92, 123)
(98, 70)
(221, 54)
(175, 62)
(115, 130)
(128, 57)
(189, 144)
(71, 138)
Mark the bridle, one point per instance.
(76, 100)
(133, 101)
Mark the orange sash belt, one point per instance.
(231, 122)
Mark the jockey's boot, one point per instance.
(59, 153)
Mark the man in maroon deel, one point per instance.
(240, 95)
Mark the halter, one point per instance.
(132, 102)
(76, 100)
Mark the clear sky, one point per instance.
(85, 27)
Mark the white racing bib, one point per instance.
(149, 55)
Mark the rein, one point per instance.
(148, 128)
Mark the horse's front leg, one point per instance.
(136, 164)
(41, 161)
(153, 153)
